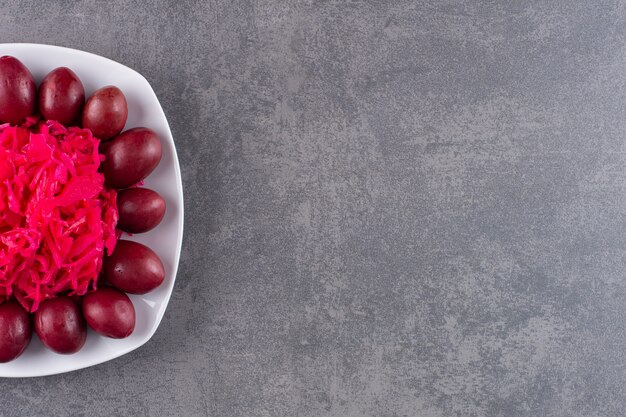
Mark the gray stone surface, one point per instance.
(392, 208)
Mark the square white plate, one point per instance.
(166, 239)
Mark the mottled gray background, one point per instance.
(392, 208)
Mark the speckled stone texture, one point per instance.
(393, 208)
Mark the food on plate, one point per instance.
(140, 209)
(105, 112)
(109, 312)
(61, 216)
(18, 91)
(60, 325)
(131, 157)
(56, 216)
(133, 268)
(61, 96)
(15, 330)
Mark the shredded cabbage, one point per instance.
(56, 215)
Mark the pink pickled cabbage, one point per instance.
(56, 215)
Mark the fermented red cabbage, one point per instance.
(57, 217)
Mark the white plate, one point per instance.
(143, 110)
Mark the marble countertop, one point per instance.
(392, 208)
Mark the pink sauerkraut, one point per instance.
(56, 216)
